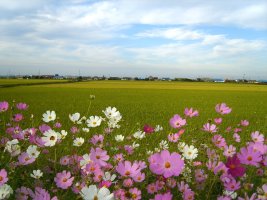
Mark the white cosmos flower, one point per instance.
(119, 138)
(109, 177)
(32, 151)
(92, 193)
(181, 146)
(111, 113)
(74, 117)
(190, 152)
(139, 135)
(36, 174)
(163, 144)
(158, 128)
(94, 121)
(50, 138)
(78, 142)
(13, 147)
(49, 116)
(149, 152)
(85, 160)
(63, 134)
(5, 191)
(231, 194)
(86, 130)
(135, 145)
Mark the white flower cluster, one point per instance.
(113, 116)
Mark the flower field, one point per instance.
(133, 141)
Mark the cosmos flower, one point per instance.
(93, 193)
(49, 116)
(74, 117)
(3, 106)
(190, 112)
(78, 142)
(3, 177)
(50, 138)
(248, 156)
(190, 152)
(99, 156)
(127, 169)
(63, 180)
(36, 174)
(22, 106)
(148, 129)
(119, 138)
(94, 121)
(166, 164)
(234, 167)
(222, 109)
(210, 128)
(177, 122)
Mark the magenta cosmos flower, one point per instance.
(127, 169)
(22, 106)
(3, 177)
(234, 167)
(99, 156)
(3, 106)
(190, 112)
(249, 156)
(222, 109)
(166, 164)
(177, 122)
(63, 180)
(148, 129)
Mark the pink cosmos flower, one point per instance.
(129, 149)
(244, 122)
(17, 117)
(41, 194)
(210, 128)
(236, 137)
(190, 112)
(63, 180)
(65, 160)
(77, 187)
(173, 137)
(234, 167)
(3, 177)
(182, 186)
(219, 141)
(166, 164)
(22, 106)
(200, 175)
(248, 156)
(224, 198)
(188, 195)
(257, 137)
(3, 106)
(151, 188)
(74, 129)
(57, 125)
(119, 157)
(218, 120)
(44, 127)
(128, 182)
(177, 122)
(97, 139)
(25, 159)
(99, 156)
(23, 193)
(148, 129)
(92, 168)
(127, 169)
(222, 109)
(140, 177)
(165, 196)
(135, 193)
(232, 185)
(120, 194)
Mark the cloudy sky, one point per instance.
(166, 38)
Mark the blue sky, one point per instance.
(170, 38)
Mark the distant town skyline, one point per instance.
(213, 38)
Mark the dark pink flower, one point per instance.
(17, 117)
(63, 180)
(234, 167)
(166, 164)
(222, 109)
(177, 122)
(218, 120)
(148, 129)
(219, 141)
